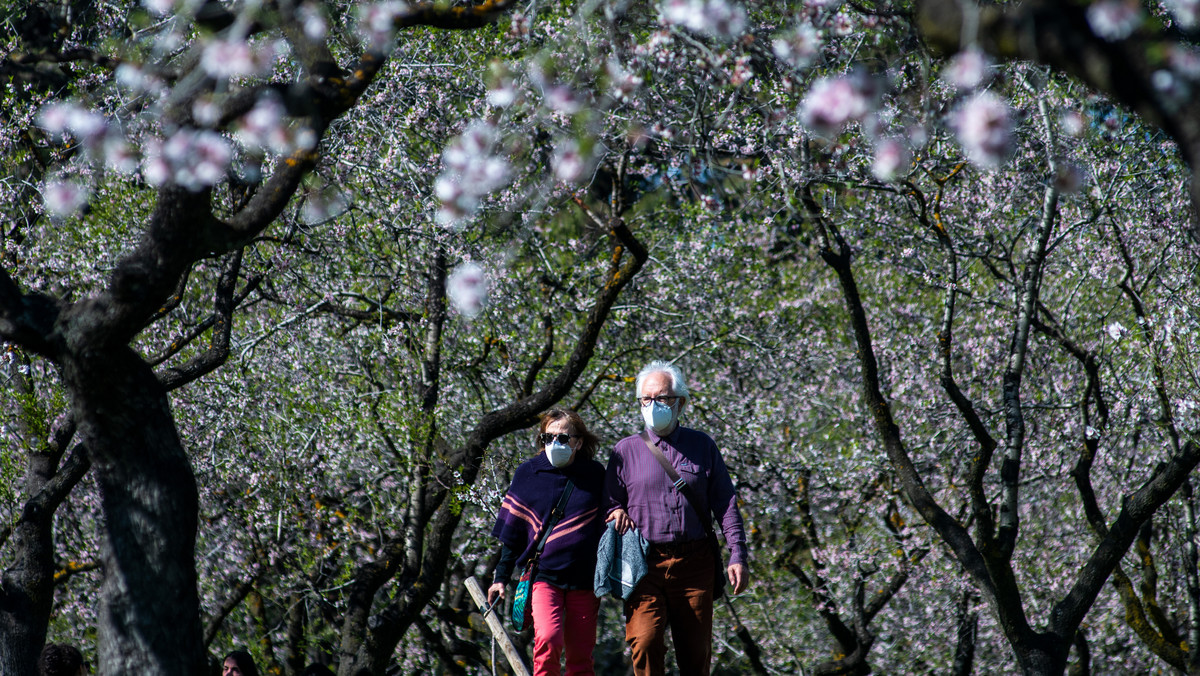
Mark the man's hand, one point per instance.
(496, 591)
(621, 519)
(739, 577)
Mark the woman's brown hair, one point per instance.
(588, 450)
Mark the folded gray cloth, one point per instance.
(620, 562)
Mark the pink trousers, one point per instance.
(563, 621)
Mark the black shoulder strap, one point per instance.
(677, 481)
(555, 515)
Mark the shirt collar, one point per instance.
(655, 436)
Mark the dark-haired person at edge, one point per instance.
(678, 588)
(564, 606)
(60, 659)
(239, 663)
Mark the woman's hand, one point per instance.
(621, 520)
(496, 591)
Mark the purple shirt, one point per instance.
(638, 484)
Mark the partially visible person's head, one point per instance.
(60, 659)
(566, 421)
(239, 663)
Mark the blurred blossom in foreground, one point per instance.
(621, 82)
(64, 198)
(1069, 178)
(136, 80)
(192, 159)
(315, 26)
(322, 206)
(159, 7)
(266, 127)
(1114, 19)
(799, 46)
(891, 156)
(1072, 123)
(377, 21)
(716, 18)
(569, 163)
(1115, 330)
(832, 102)
(86, 126)
(119, 156)
(233, 58)
(470, 171)
(984, 129)
(967, 70)
(467, 288)
(1186, 12)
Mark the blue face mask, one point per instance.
(658, 417)
(559, 454)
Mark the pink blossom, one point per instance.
(1114, 19)
(968, 69)
(842, 25)
(1185, 61)
(984, 129)
(832, 102)
(265, 127)
(467, 288)
(569, 162)
(891, 157)
(471, 170)
(159, 7)
(189, 158)
(1072, 123)
(717, 18)
(135, 79)
(64, 198)
(378, 20)
(233, 58)
(622, 82)
(799, 46)
(118, 155)
(86, 126)
(563, 99)
(315, 26)
(1186, 12)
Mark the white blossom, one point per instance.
(467, 288)
(891, 156)
(984, 129)
(717, 18)
(64, 198)
(1114, 19)
(968, 69)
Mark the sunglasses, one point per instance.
(546, 438)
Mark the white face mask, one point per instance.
(658, 417)
(558, 453)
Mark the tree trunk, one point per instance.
(149, 619)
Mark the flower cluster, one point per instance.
(194, 159)
(984, 129)
(467, 288)
(799, 46)
(1114, 19)
(716, 18)
(471, 170)
(834, 102)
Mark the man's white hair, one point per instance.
(678, 383)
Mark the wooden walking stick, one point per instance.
(497, 626)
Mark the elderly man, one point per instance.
(678, 589)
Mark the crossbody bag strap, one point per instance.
(677, 481)
(555, 515)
